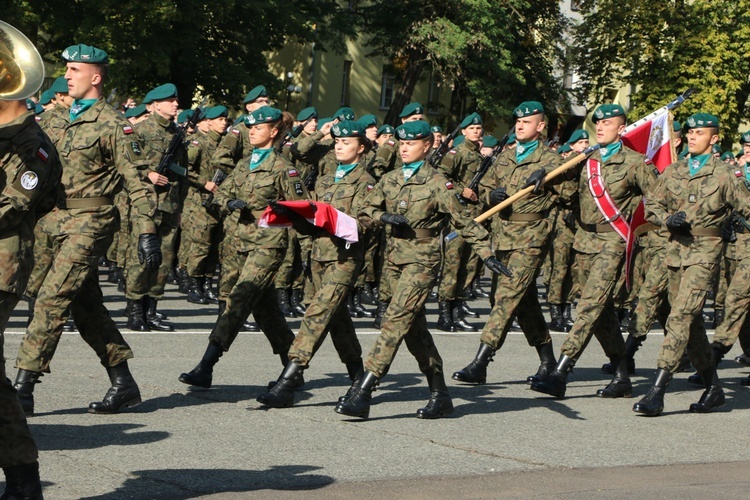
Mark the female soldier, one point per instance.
(417, 202)
(265, 175)
(334, 266)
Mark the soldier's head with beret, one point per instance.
(163, 100)
(745, 143)
(308, 118)
(437, 136)
(412, 112)
(350, 141)
(415, 140)
(564, 150)
(702, 133)
(87, 69)
(489, 142)
(217, 117)
(610, 121)
(256, 98)
(371, 126)
(578, 141)
(472, 128)
(267, 126)
(343, 114)
(530, 122)
(139, 113)
(385, 133)
(47, 99)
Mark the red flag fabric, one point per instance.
(321, 214)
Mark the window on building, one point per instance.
(386, 90)
(433, 95)
(345, 78)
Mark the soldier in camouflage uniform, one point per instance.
(416, 201)
(334, 267)
(31, 173)
(144, 288)
(53, 121)
(520, 238)
(265, 175)
(698, 194)
(742, 163)
(100, 155)
(601, 252)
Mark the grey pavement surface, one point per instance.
(503, 441)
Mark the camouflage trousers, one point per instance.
(736, 319)
(231, 260)
(139, 281)
(688, 288)
(118, 249)
(254, 293)
(405, 319)
(372, 264)
(653, 303)
(721, 284)
(201, 233)
(598, 274)
(290, 272)
(42, 260)
(561, 283)
(71, 286)
(17, 446)
(517, 295)
(326, 312)
(459, 265)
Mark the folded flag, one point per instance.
(318, 213)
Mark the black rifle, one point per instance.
(177, 140)
(487, 162)
(437, 154)
(293, 134)
(218, 178)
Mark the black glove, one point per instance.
(306, 271)
(310, 180)
(739, 222)
(498, 195)
(236, 204)
(280, 209)
(299, 223)
(678, 221)
(570, 220)
(149, 251)
(497, 267)
(536, 179)
(397, 220)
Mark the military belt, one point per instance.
(523, 217)
(596, 228)
(94, 202)
(643, 229)
(706, 231)
(408, 232)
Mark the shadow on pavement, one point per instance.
(51, 437)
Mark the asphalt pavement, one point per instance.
(503, 441)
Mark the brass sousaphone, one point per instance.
(21, 66)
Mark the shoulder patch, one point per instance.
(390, 142)
(449, 185)
(42, 154)
(293, 172)
(136, 147)
(370, 187)
(738, 173)
(647, 161)
(195, 142)
(127, 129)
(235, 131)
(452, 152)
(29, 180)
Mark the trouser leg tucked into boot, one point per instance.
(445, 317)
(458, 317)
(476, 371)
(555, 383)
(557, 323)
(440, 403)
(355, 369)
(195, 294)
(202, 375)
(137, 316)
(295, 302)
(123, 393)
(22, 482)
(281, 394)
(282, 297)
(620, 386)
(297, 383)
(358, 405)
(24, 386)
(652, 403)
(547, 365)
(713, 396)
(152, 317)
(382, 306)
(361, 311)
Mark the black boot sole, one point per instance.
(128, 404)
(186, 378)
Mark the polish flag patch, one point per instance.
(42, 154)
(449, 185)
(127, 129)
(293, 173)
(452, 151)
(738, 173)
(196, 143)
(235, 131)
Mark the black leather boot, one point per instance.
(440, 403)
(195, 294)
(22, 482)
(457, 316)
(112, 273)
(202, 375)
(620, 386)
(249, 326)
(567, 315)
(743, 359)
(355, 369)
(184, 280)
(547, 365)
(466, 311)
(713, 396)
(282, 297)
(556, 382)
(172, 277)
(152, 317)
(445, 317)
(358, 405)
(121, 279)
(477, 290)
(382, 306)
(295, 302)
(357, 298)
(137, 316)
(476, 371)
(208, 291)
(557, 323)
(367, 296)
(123, 393)
(70, 324)
(626, 317)
(24, 386)
(718, 317)
(281, 394)
(652, 403)
(32, 304)
(296, 383)
(350, 307)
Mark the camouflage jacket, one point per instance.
(460, 165)
(309, 151)
(157, 132)
(200, 169)
(347, 195)
(274, 179)
(505, 172)
(100, 154)
(624, 175)
(740, 249)
(387, 158)
(31, 174)
(707, 198)
(54, 121)
(233, 147)
(427, 201)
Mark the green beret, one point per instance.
(528, 108)
(216, 112)
(436, 129)
(565, 148)
(344, 114)
(578, 135)
(489, 141)
(85, 54)
(46, 96)
(141, 109)
(418, 129)
(348, 128)
(259, 91)
(265, 114)
(745, 138)
(166, 91)
(368, 121)
(306, 114)
(702, 120)
(727, 156)
(676, 127)
(30, 105)
(608, 111)
(716, 149)
(184, 114)
(472, 119)
(511, 138)
(413, 108)
(385, 129)
(323, 121)
(60, 85)
(38, 109)
(458, 140)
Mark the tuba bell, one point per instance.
(21, 66)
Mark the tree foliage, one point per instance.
(663, 48)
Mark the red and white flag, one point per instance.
(652, 138)
(318, 213)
